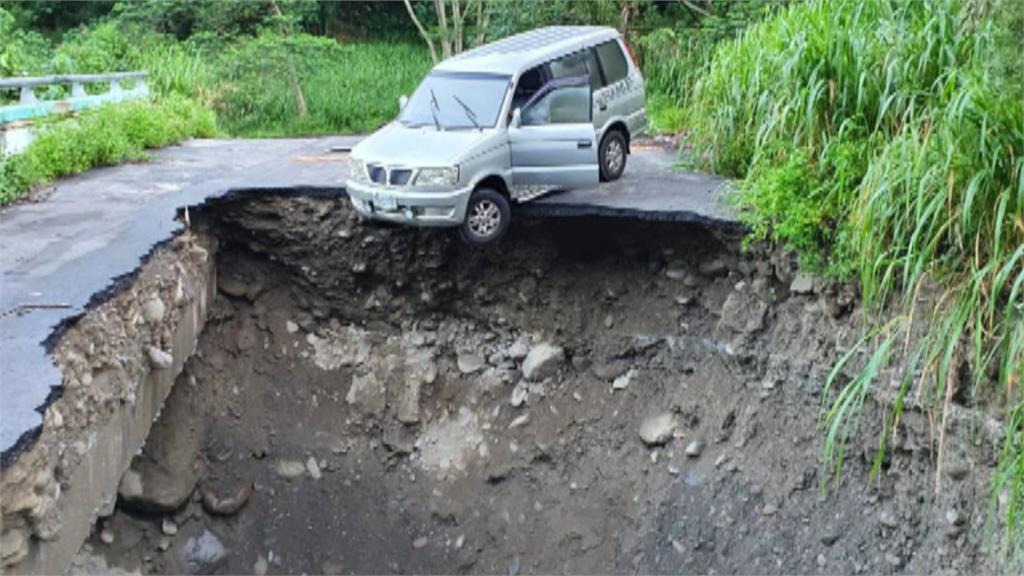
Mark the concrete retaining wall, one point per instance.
(49, 538)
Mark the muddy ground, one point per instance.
(587, 397)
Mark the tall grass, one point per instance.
(347, 88)
(883, 141)
(108, 135)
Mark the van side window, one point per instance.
(579, 63)
(613, 61)
(565, 105)
(529, 82)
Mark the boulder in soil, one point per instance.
(543, 361)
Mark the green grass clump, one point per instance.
(347, 87)
(883, 141)
(104, 136)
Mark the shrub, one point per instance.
(105, 136)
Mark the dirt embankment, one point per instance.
(588, 397)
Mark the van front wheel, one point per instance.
(487, 217)
(612, 155)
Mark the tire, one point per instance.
(487, 217)
(612, 155)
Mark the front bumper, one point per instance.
(416, 207)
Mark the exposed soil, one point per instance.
(368, 384)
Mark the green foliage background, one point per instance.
(879, 139)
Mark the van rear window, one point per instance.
(613, 61)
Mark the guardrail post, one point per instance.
(28, 95)
(115, 88)
(78, 90)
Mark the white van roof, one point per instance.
(517, 53)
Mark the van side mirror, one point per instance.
(517, 118)
(402, 101)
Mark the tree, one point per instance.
(451, 25)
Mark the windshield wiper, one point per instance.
(434, 106)
(469, 112)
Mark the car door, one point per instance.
(552, 139)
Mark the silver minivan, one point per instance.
(551, 109)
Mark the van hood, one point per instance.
(418, 147)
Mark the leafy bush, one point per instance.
(108, 135)
(884, 140)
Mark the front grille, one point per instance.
(400, 177)
(377, 173)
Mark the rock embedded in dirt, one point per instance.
(106, 536)
(713, 268)
(519, 395)
(259, 567)
(216, 505)
(802, 284)
(13, 547)
(888, 519)
(743, 312)
(158, 358)
(168, 527)
(543, 361)
(519, 349)
(153, 310)
(313, 468)
(367, 394)
(409, 402)
(658, 429)
(202, 554)
(623, 381)
(694, 448)
(470, 362)
(290, 469)
(291, 327)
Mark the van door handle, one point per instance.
(584, 143)
(602, 107)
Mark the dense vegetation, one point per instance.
(879, 139)
(883, 140)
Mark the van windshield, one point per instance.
(456, 100)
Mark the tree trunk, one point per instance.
(293, 77)
(482, 17)
(422, 30)
(442, 24)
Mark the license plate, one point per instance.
(385, 201)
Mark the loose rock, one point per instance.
(519, 395)
(158, 358)
(543, 361)
(313, 468)
(290, 469)
(657, 430)
(694, 448)
(106, 536)
(168, 527)
(259, 567)
(366, 394)
(624, 380)
(470, 363)
(203, 554)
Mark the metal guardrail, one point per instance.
(29, 106)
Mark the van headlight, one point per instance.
(357, 169)
(438, 176)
